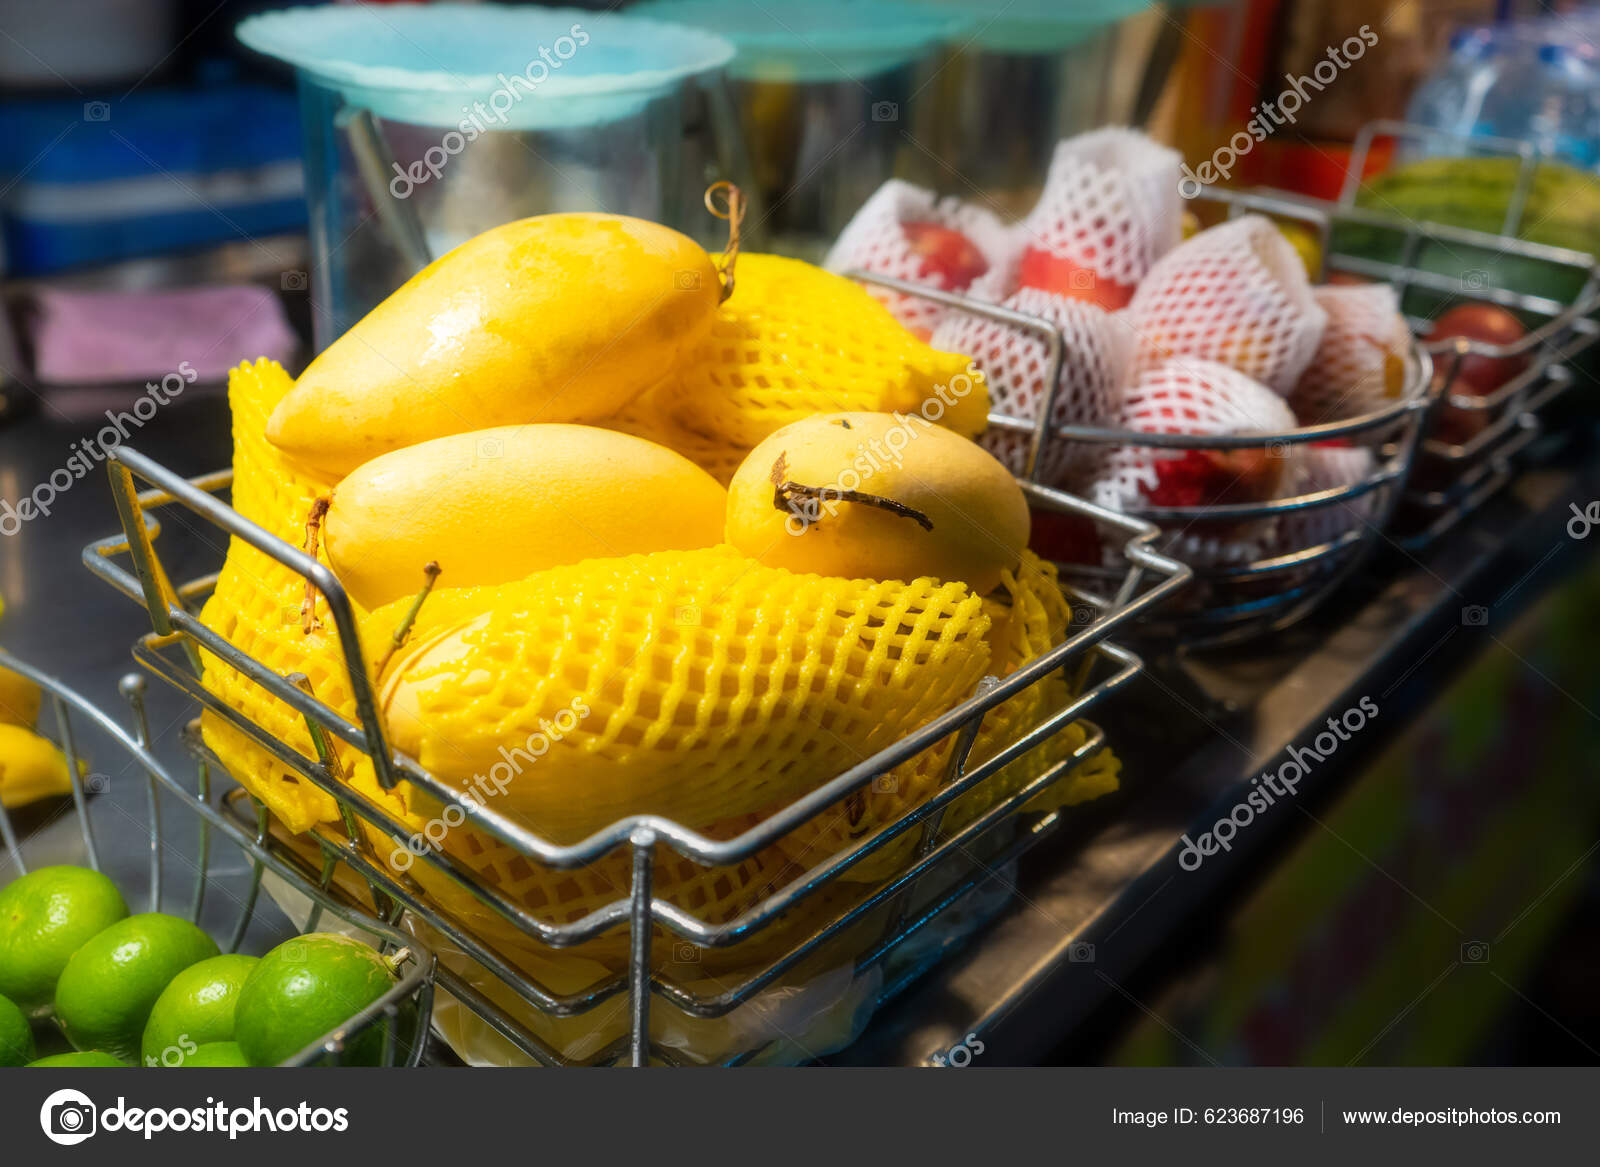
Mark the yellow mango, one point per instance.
(496, 505)
(19, 699)
(878, 496)
(562, 317)
(692, 684)
(31, 767)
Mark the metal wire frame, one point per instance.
(171, 651)
(1480, 466)
(407, 1005)
(1310, 574)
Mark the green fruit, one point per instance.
(216, 1053)
(1562, 209)
(109, 986)
(79, 1059)
(306, 987)
(196, 1008)
(16, 1035)
(44, 918)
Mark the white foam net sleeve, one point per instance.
(1097, 356)
(1110, 203)
(875, 241)
(1327, 468)
(1190, 396)
(1360, 365)
(1236, 294)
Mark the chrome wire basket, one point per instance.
(1420, 485)
(223, 887)
(1437, 263)
(887, 929)
(1234, 601)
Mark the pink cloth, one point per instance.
(83, 338)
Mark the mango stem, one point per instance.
(732, 209)
(308, 605)
(398, 638)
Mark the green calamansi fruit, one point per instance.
(45, 917)
(306, 987)
(106, 992)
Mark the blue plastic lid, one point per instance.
(537, 68)
(1036, 26)
(1472, 43)
(819, 40)
(1565, 54)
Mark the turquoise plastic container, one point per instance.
(427, 124)
(1029, 73)
(832, 96)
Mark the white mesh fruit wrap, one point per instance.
(875, 241)
(1327, 468)
(1360, 365)
(1188, 396)
(1236, 294)
(1110, 203)
(1097, 355)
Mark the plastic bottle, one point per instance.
(1452, 96)
(1549, 97)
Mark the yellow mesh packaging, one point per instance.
(713, 895)
(1035, 619)
(794, 340)
(256, 607)
(697, 685)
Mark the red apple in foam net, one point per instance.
(949, 258)
(1050, 272)
(1212, 477)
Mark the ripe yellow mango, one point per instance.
(557, 318)
(496, 505)
(19, 699)
(31, 767)
(878, 496)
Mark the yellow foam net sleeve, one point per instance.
(1028, 619)
(256, 607)
(794, 340)
(698, 685)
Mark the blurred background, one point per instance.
(168, 184)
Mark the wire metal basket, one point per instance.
(221, 897)
(1233, 601)
(872, 933)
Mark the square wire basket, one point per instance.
(1435, 264)
(85, 734)
(887, 929)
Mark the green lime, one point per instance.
(79, 1059)
(305, 987)
(44, 917)
(217, 1053)
(195, 1008)
(16, 1035)
(109, 986)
